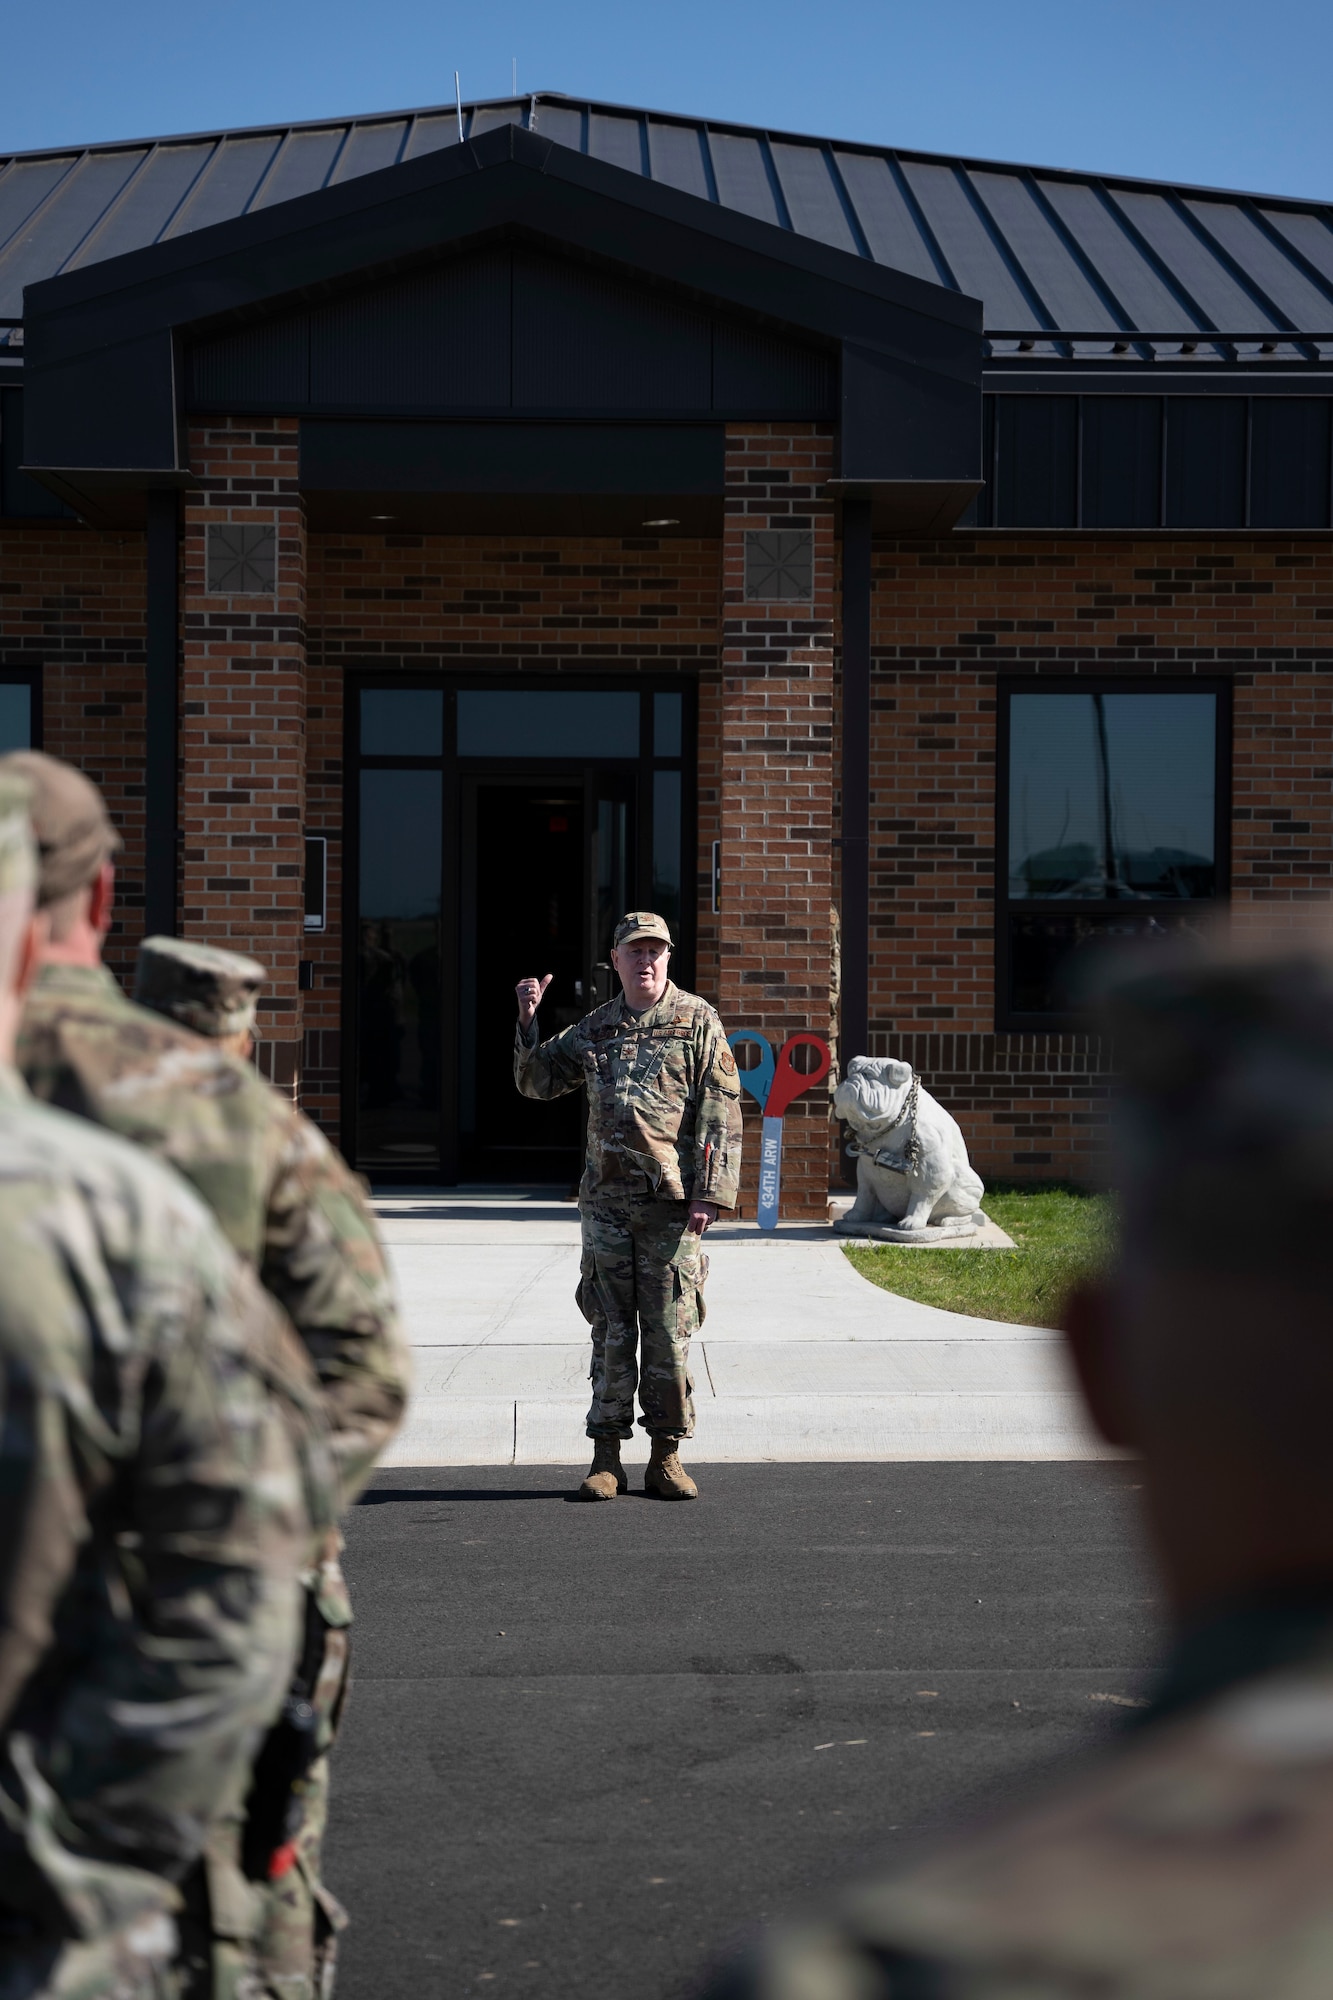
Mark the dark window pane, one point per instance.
(1289, 461)
(1054, 957)
(1112, 795)
(1038, 449)
(668, 724)
(399, 969)
(15, 716)
(1122, 461)
(1205, 462)
(534, 722)
(402, 722)
(666, 847)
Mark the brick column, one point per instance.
(777, 785)
(243, 725)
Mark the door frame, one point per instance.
(452, 681)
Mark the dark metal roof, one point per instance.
(1107, 265)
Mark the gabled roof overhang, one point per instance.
(103, 347)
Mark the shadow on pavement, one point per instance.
(381, 1496)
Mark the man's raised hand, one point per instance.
(530, 993)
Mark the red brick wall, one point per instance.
(243, 721)
(776, 783)
(419, 603)
(952, 615)
(72, 604)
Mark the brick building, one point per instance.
(439, 534)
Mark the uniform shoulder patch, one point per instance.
(726, 1062)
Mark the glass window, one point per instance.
(402, 722)
(1111, 796)
(668, 724)
(15, 716)
(547, 722)
(398, 970)
(666, 847)
(1111, 832)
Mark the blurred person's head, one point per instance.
(22, 928)
(203, 987)
(76, 877)
(1208, 1347)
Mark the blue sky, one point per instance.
(1222, 94)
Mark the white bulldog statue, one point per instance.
(912, 1172)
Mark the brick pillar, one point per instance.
(777, 785)
(243, 723)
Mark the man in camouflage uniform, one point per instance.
(163, 1464)
(1193, 1859)
(289, 1205)
(664, 1154)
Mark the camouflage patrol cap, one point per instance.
(69, 817)
(640, 924)
(215, 992)
(18, 849)
(1224, 1114)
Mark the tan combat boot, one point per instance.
(607, 1476)
(666, 1477)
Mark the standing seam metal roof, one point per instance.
(1095, 260)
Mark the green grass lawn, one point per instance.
(1060, 1234)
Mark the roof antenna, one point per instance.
(458, 100)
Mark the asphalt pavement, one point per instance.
(587, 1746)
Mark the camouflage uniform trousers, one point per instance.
(641, 1290)
(132, 1963)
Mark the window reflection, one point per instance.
(547, 722)
(399, 968)
(1112, 796)
(15, 716)
(666, 848)
(402, 722)
(668, 724)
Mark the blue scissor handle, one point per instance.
(759, 1079)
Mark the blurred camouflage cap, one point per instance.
(69, 817)
(215, 992)
(640, 924)
(1224, 1115)
(18, 848)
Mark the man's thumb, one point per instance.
(546, 982)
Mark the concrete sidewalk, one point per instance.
(800, 1357)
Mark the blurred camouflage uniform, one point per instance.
(293, 1209)
(163, 1462)
(1191, 1861)
(664, 1127)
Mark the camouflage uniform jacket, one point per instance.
(664, 1099)
(164, 1462)
(1192, 1860)
(284, 1197)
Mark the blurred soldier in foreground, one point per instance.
(292, 1209)
(1193, 1859)
(163, 1466)
(664, 1154)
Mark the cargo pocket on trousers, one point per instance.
(583, 1291)
(691, 1307)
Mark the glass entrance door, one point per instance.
(545, 866)
(496, 830)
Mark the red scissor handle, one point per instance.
(788, 1081)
